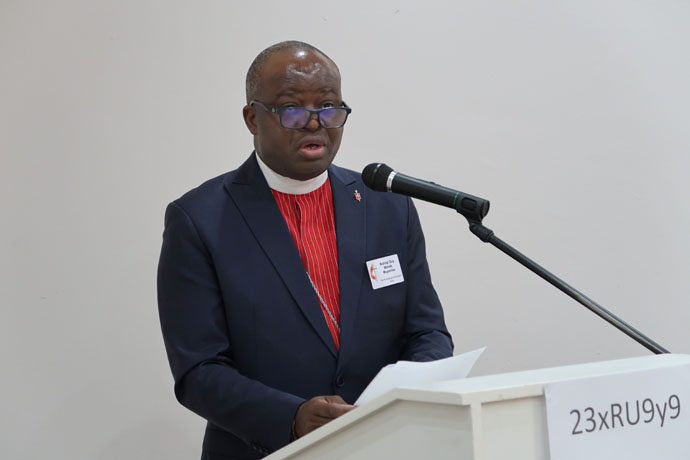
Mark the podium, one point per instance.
(481, 418)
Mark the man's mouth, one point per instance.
(312, 148)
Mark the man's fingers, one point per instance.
(331, 411)
(319, 411)
(334, 410)
(334, 399)
(331, 406)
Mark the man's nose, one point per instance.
(313, 124)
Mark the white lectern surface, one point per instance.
(482, 418)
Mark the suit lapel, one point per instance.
(351, 231)
(254, 199)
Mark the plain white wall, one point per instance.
(571, 117)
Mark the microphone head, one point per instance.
(375, 176)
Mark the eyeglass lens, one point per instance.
(298, 117)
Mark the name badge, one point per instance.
(384, 271)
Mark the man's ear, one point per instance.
(249, 115)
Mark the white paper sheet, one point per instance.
(411, 374)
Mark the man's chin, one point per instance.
(310, 169)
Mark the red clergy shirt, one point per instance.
(311, 221)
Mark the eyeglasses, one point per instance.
(299, 117)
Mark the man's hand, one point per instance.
(319, 411)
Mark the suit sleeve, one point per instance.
(426, 335)
(195, 332)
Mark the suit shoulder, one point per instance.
(207, 196)
(206, 188)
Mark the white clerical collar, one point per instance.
(287, 185)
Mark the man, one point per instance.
(271, 322)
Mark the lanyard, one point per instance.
(323, 302)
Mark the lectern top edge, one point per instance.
(555, 374)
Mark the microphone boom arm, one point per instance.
(487, 235)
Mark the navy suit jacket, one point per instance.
(245, 336)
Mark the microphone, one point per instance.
(382, 178)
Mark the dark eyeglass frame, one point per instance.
(280, 110)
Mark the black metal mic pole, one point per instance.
(487, 235)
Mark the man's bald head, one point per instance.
(254, 72)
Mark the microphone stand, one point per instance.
(487, 235)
